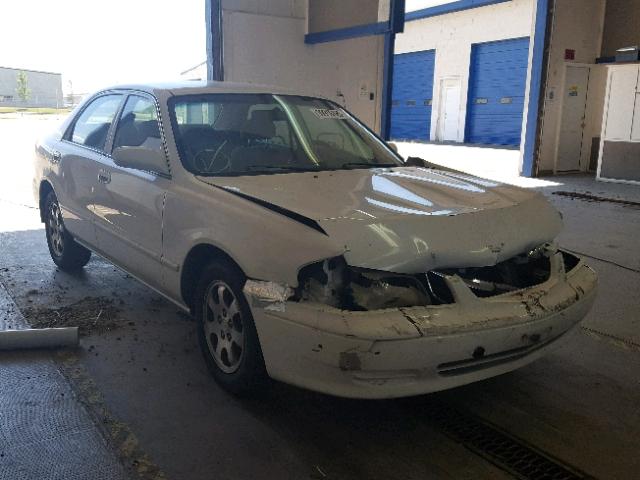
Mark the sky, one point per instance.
(412, 5)
(95, 44)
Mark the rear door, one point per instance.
(130, 202)
(82, 151)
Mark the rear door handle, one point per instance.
(104, 176)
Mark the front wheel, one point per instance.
(65, 251)
(226, 331)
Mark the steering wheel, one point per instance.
(212, 161)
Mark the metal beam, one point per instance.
(396, 21)
(531, 139)
(213, 17)
(346, 33)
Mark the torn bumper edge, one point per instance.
(411, 351)
(267, 295)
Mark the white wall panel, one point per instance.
(270, 50)
(278, 8)
(334, 14)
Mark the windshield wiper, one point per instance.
(367, 164)
(290, 168)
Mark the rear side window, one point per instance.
(138, 124)
(93, 124)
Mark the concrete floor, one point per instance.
(139, 372)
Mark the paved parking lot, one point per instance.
(139, 372)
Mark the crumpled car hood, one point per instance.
(409, 219)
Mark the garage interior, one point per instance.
(532, 92)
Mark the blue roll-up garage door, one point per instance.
(412, 95)
(497, 83)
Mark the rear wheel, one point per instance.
(226, 331)
(65, 251)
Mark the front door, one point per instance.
(130, 202)
(449, 110)
(572, 123)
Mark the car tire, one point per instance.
(226, 330)
(66, 253)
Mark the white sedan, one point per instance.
(306, 248)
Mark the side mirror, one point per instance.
(392, 146)
(148, 157)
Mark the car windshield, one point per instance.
(248, 134)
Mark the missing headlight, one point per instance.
(332, 282)
(324, 282)
(373, 290)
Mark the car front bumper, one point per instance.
(412, 351)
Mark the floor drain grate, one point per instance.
(500, 448)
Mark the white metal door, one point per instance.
(449, 109)
(572, 123)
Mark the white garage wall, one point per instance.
(267, 47)
(453, 34)
(577, 25)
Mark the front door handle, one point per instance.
(104, 176)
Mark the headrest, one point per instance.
(261, 124)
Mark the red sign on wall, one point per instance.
(569, 54)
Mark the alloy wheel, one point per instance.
(223, 327)
(56, 229)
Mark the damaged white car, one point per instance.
(305, 247)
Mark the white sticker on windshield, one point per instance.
(326, 113)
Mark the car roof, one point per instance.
(195, 87)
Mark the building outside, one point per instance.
(45, 88)
(462, 76)
(528, 75)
